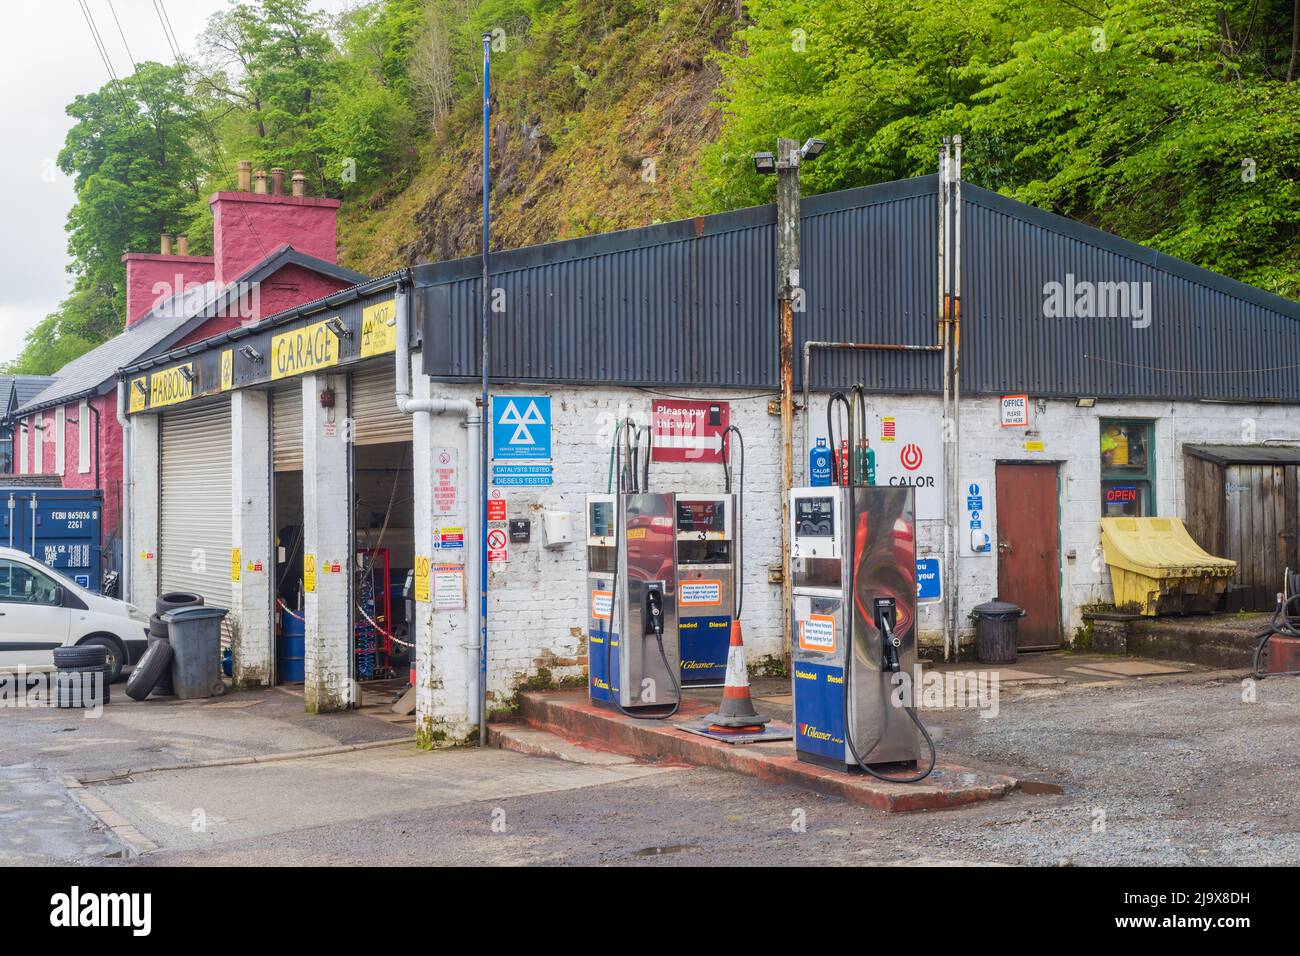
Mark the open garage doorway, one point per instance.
(287, 622)
(383, 512)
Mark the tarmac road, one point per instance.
(1151, 774)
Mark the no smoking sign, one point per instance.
(496, 542)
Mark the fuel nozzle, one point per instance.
(885, 612)
(654, 607)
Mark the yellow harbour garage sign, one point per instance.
(171, 386)
(303, 350)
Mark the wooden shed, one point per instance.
(1243, 503)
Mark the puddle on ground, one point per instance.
(662, 850)
(1036, 788)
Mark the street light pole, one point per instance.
(787, 283)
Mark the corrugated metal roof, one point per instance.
(1246, 454)
(167, 323)
(693, 303)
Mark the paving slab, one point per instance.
(570, 714)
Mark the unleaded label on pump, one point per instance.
(817, 633)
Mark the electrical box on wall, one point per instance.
(557, 529)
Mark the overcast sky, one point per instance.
(47, 57)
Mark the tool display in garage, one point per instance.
(372, 635)
(634, 657)
(853, 606)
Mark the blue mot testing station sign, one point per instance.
(521, 433)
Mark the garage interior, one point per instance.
(383, 534)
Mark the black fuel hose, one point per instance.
(830, 434)
(1281, 624)
(740, 509)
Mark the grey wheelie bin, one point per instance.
(195, 635)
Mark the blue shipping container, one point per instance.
(60, 527)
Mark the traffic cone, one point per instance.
(737, 713)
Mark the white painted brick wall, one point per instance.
(537, 605)
(537, 600)
(327, 516)
(252, 640)
(140, 484)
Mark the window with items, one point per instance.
(1127, 468)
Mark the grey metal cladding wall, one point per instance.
(686, 309)
(1203, 335)
(870, 274)
(692, 303)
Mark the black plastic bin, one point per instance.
(996, 624)
(195, 635)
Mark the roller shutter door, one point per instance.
(195, 505)
(286, 426)
(376, 418)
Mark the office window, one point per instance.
(1127, 468)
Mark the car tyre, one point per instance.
(115, 656)
(157, 660)
(83, 655)
(174, 599)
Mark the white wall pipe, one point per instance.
(124, 420)
(473, 422)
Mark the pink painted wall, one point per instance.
(283, 289)
(152, 278)
(248, 227)
(110, 451)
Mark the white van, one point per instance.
(40, 610)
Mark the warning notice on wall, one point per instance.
(496, 506)
(496, 542)
(688, 431)
(309, 573)
(235, 564)
(422, 578)
(448, 587)
(445, 480)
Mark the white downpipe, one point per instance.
(469, 411)
(124, 420)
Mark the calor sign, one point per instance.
(909, 452)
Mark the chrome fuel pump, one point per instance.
(633, 649)
(853, 606)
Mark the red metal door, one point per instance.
(1029, 549)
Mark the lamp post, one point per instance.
(785, 165)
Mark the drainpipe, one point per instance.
(125, 421)
(955, 321)
(469, 411)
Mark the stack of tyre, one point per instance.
(82, 676)
(153, 674)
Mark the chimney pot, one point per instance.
(182, 245)
(277, 181)
(165, 247)
(245, 175)
(259, 182)
(299, 183)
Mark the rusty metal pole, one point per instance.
(788, 294)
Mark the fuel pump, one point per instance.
(853, 606)
(708, 572)
(634, 656)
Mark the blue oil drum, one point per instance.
(290, 649)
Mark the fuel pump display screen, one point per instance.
(814, 517)
(696, 516)
(602, 519)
